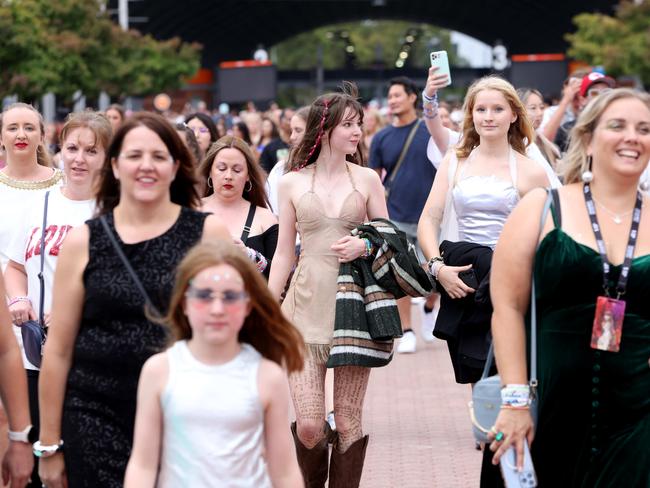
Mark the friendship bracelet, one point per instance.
(15, 300)
(430, 114)
(261, 263)
(369, 248)
(427, 99)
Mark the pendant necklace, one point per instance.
(617, 218)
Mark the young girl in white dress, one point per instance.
(213, 409)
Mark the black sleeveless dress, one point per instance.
(114, 341)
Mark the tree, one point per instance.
(618, 43)
(68, 45)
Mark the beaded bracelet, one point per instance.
(369, 249)
(261, 263)
(427, 99)
(15, 300)
(515, 396)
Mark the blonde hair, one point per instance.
(576, 160)
(42, 155)
(520, 133)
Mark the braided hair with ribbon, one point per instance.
(325, 113)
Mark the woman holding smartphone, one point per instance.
(477, 186)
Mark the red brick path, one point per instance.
(417, 419)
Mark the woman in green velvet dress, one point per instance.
(593, 425)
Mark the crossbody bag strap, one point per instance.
(402, 155)
(127, 264)
(41, 277)
(533, 301)
(249, 222)
(533, 312)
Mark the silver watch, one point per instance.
(42, 451)
(22, 435)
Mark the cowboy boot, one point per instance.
(346, 467)
(312, 462)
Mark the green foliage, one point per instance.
(67, 45)
(374, 41)
(619, 43)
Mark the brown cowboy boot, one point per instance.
(313, 462)
(346, 467)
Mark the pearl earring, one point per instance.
(644, 185)
(587, 176)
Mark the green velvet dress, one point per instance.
(594, 406)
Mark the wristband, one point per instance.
(15, 300)
(515, 396)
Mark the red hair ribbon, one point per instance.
(318, 136)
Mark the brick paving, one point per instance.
(417, 418)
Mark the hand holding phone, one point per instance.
(511, 476)
(440, 60)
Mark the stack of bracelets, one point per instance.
(257, 258)
(369, 249)
(515, 397)
(430, 105)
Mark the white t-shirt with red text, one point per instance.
(62, 215)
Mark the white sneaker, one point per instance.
(407, 343)
(427, 321)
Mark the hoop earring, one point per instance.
(209, 182)
(250, 186)
(587, 176)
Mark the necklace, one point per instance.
(617, 218)
(332, 185)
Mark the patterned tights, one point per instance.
(308, 394)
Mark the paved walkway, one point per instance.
(417, 418)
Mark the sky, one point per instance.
(476, 52)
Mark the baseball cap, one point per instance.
(592, 78)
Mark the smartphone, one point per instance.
(469, 278)
(513, 478)
(439, 59)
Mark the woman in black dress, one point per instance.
(100, 336)
(235, 193)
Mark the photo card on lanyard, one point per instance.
(608, 320)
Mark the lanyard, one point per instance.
(631, 243)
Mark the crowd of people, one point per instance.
(172, 283)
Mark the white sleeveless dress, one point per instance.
(213, 423)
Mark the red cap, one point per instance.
(592, 78)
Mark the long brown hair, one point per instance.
(520, 133)
(182, 190)
(42, 155)
(265, 328)
(325, 113)
(257, 194)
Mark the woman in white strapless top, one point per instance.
(480, 182)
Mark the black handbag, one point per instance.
(33, 332)
(486, 394)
